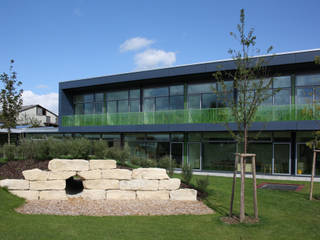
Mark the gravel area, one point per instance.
(76, 207)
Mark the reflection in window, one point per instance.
(304, 95)
(308, 80)
(209, 100)
(148, 105)
(162, 103)
(194, 101)
(282, 97)
(176, 102)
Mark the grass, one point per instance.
(284, 215)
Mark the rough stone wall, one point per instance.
(101, 180)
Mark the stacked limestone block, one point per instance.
(101, 180)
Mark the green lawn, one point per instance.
(284, 215)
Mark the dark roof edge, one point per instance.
(211, 66)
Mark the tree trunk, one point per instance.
(9, 139)
(233, 184)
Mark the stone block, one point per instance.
(184, 195)
(139, 184)
(153, 195)
(120, 195)
(56, 165)
(103, 164)
(93, 194)
(15, 184)
(53, 195)
(121, 174)
(48, 185)
(170, 184)
(101, 184)
(149, 173)
(91, 174)
(61, 175)
(26, 194)
(35, 174)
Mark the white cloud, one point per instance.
(153, 58)
(49, 101)
(41, 86)
(135, 44)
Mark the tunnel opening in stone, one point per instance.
(74, 185)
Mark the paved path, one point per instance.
(270, 177)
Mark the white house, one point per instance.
(36, 114)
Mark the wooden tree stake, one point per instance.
(234, 183)
(255, 200)
(313, 172)
(242, 206)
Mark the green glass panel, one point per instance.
(194, 155)
(281, 158)
(263, 153)
(218, 156)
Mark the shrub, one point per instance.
(25, 150)
(98, 148)
(148, 162)
(41, 150)
(9, 151)
(186, 173)
(168, 164)
(116, 153)
(203, 183)
(58, 147)
(80, 148)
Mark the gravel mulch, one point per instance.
(76, 207)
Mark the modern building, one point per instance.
(173, 111)
(31, 114)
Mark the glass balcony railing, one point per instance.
(210, 115)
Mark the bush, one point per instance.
(58, 147)
(203, 183)
(9, 151)
(41, 150)
(98, 149)
(186, 173)
(168, 164)
(116, 153)
(25, 150)
(80, 148)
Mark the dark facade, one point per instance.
(173, 111)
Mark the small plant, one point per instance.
(98, 148)
(9, 151)
(186, 173)
(203, 183)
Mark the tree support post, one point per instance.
(255, 200)
(313, 172)
(242, 206)
(234, 183)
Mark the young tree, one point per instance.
(251, 84)
(10, 99)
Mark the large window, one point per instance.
(279, 92)
(123, 101)
(308, 89)
(204, 96)
(163, 98)
(88, 103)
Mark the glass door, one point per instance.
(177, 154)
(194, 155)
(281, 158)
(304, 157)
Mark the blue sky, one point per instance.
(53, 41)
